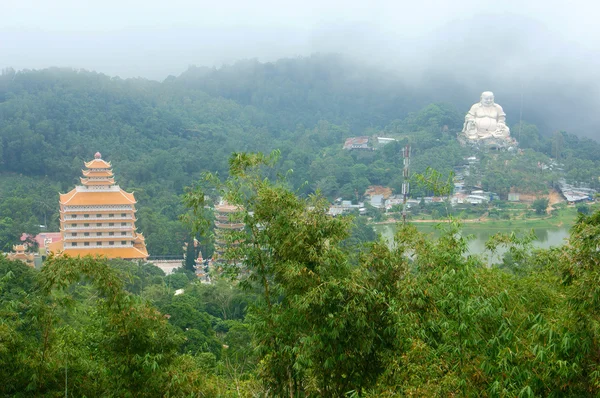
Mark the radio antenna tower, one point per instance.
(405, 183)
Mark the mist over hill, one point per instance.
(523, 62)
(542, 66)
(553, 93)
(305, 90)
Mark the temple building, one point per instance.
(19, 253)
(228, 218)
(98, 217)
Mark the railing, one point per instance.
(96, 247)
(95, 237)
(98, 211)
(227, 217)
(166, 258)
(229, 225)
(66, 228)
(69, 209)
(67, 219)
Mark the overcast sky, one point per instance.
(154, 39)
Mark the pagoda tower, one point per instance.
(98, 217)
(228, 219)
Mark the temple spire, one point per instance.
(98, 173)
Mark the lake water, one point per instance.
(546, 237)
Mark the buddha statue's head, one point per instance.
(487, 98)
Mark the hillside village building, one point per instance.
(43, 240)
(98, 217)
(357, 143)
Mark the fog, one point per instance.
(541, 54)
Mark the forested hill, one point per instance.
(53, 118)
(160, 136)
(343, 90)
(306, 90)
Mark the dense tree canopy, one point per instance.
(312, 306)
(423, 318)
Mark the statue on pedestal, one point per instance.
(486, 123)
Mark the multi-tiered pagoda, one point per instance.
(228, 219)
(98, 217)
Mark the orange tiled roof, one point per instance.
(98, 164)
(106, 181)
(108, 252)
(102, 173)
(65, 197)
(227, 208)
(90, 198)
(56, 246)
(99, 211)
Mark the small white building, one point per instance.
(393, 202)
(384, 140)
(377, 201)
(344, 206)
(477, 199)
(335, 211)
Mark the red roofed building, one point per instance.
(357, 143)
(98, 217)
(43, 239)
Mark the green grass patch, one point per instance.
(562, 218)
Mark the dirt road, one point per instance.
(553, 198)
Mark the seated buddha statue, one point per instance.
(486, 119)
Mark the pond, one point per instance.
(546, 237)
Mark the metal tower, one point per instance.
(405, 183)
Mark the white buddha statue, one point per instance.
(486, 119)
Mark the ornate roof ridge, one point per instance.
(98, 163)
